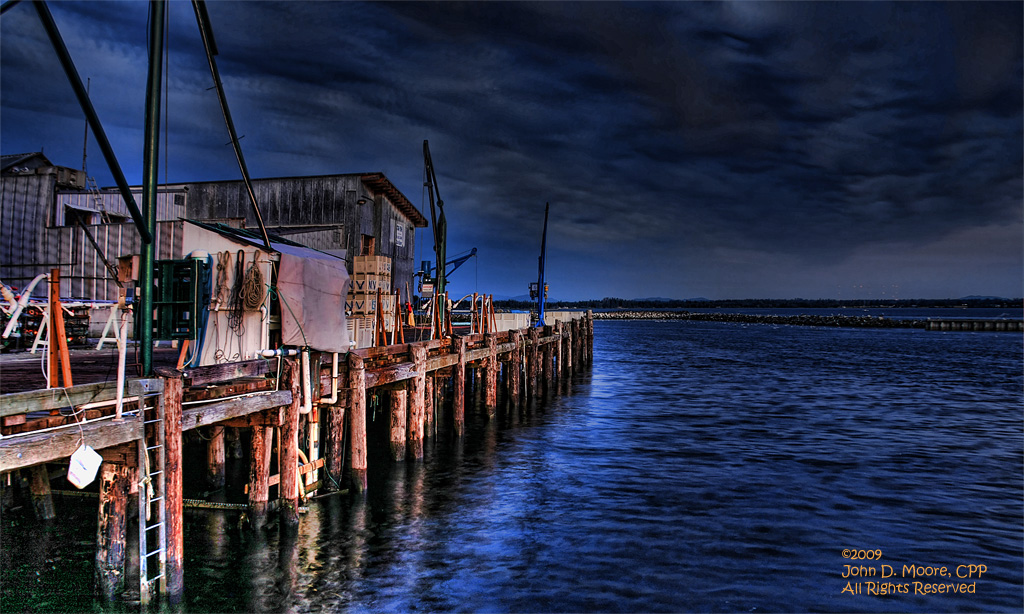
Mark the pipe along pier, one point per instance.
(283, 413)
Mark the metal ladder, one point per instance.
(152, 489)
(97, 199)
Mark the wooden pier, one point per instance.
(283, 413)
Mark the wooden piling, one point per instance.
(566, 344)
(42, 499)
(259, 475)
(288, 488)
(590, 336)
(429, 418)
(215, 454)
(112, 530)
(335, 452)
(547, 371)
(357, 421)
(417, 401)
(515, 365)
(459, 385)
(491, 374)
(557, 350)
(174, 503)
(398, 424)
(532, 360)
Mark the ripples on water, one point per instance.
(693, 467)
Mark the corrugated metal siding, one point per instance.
(82, 273)
(24, 210)
(169, 205)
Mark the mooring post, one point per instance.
(491, 374)
(417, 401)
(288, 488)
(335, 461)
(357, 421)
(459, 392)
(398, 424)
(42, 499)
(174, 503)
(215, 458)
(112, 530)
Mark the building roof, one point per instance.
(375, 181)
(8, 162)
(379, 183)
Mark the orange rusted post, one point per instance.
(174, 512)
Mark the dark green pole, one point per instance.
(150, 167)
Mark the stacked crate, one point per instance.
(369, 273)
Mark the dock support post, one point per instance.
(429, 418)
(417, 401)
(112, 530)
(557, 351)
(259, 475)
(491, 374)
(289, 486)
(357, 421)
(459, 393)
(515, 365)
(532, 358)
(590, 336)
(42, 499)
(546, 356)
(566, 343)
(215, 458)
(335, 461)
(174, 510)
(398, 411)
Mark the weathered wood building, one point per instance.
(50, 217)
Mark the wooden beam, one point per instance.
(268, 417)
(19, 451)
(206, 415)
(211, 374)
(390, 374)
(56, 398)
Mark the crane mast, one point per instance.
(439, 225)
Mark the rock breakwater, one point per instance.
(860, 321)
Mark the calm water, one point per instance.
(694, 467)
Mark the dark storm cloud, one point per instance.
(682, 137)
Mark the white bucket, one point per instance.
(84, 464)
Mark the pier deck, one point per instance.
(290, 401)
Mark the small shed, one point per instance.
(259, 299)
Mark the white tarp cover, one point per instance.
(312, 287)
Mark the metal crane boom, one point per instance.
(438, 222)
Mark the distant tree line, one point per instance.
(794, 303)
